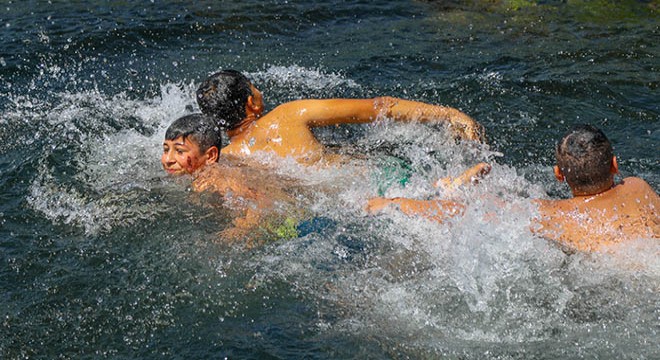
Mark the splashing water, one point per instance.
(105, 255)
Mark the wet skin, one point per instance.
(183, 156)
(287, 130)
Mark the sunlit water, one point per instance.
(103, 255)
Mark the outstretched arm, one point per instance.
(436, 210)
(471, 175)
(313, 113)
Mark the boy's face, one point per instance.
(182, 156)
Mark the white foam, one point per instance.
(480, 277)
(295, 75)
(116, 165)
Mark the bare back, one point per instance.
(286, 130)
(272, 133)
(627, 211)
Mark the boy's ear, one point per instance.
(212, 155)
(614, 168)
(558, 174)
(253, 106)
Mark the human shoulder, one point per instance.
(295, 106)
(634, 186)
(290, 113)
(548, 206)
(636, 182)
(323, 112)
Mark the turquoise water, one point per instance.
(103, 256)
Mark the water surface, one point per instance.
(106, 257)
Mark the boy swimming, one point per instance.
(600, 213)
(191, 142)
(191, 146)
(237, 106)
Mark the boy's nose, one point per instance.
(168, 158)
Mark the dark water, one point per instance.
(103, 256)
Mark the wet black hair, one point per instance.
(199, 128)
(223, 96)
(584, 156)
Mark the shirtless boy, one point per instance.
(600, 213)
(230, 98)
(192, 145)
(191, 142)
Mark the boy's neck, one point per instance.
(593, 192)
(243, 125)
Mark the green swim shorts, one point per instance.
(390, 171)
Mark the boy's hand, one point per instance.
(471, 175)
(377, 204)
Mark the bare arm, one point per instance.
(471, 175)
(314, 113)
(436, 210)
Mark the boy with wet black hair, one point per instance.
(191, 142)
(223, 96)
(237, 106)
(585, 160)
(600, 213)
(259, 197)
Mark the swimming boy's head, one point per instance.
(585, 160)
(191, 142)
(228, 96)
